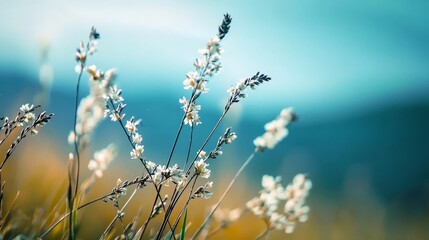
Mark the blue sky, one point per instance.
(332, 57)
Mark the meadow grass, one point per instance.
(170, 187)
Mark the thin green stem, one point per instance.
(69, 213)
(249, 159)
(207, 140)
(185, 205)
(158, 190)
(190, 146)
(119, 214)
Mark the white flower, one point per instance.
(192, 118)
(150, 166)
(137, 152)
(231, 137)
(26, 108)
(131, 125)
(71, 138)
(275, 131)
(202, 154)
(266, 204)
(158, 175)
(192, 78)
(78, 68)
(101, 160)
(115, 116)
(115, 94)
(137, 138)
(29, 117)
(184, 102)
(201, 169)
(95, 74)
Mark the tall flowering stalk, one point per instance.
(193, 180)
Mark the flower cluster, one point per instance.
(201, 168)
(91, 108)
(83, 51)
(191, 112)
(101, 160)
(113, 109)
(206, 66)
(267, 203)
(227, 138)
(275, 130)
(29, 122)
(114, 112)
(25, 115)
(27, 110)
(237, 92)
(166, 175)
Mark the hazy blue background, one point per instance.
(356, 72)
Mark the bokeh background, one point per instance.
(356, 72)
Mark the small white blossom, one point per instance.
(137, 152)
(231, 137)
(115, 94)
(201, 168)
(131, 125)
(202, 154)
(137, 138)
(150, 166)
(94, 72)
(275, 131)
(266, 204)
(101, 160)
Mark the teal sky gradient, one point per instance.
(324, 56)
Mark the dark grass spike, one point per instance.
(94, 34)
(224, 27)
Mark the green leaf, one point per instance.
(182, 232)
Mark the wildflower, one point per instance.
(131, 125)
(275, 130)
(158, 175)
(80, 53)
(137, 138)
(191, 117)
(201, 168)
(113, 115)
(230, 138)
(225, 217)
(191, 80)
(26, 108)
(150, 166)
(89, 113)
(115, 94)
(266, 204)
(202, 154)
(137, 151)
(94, 72)
(101, 160)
